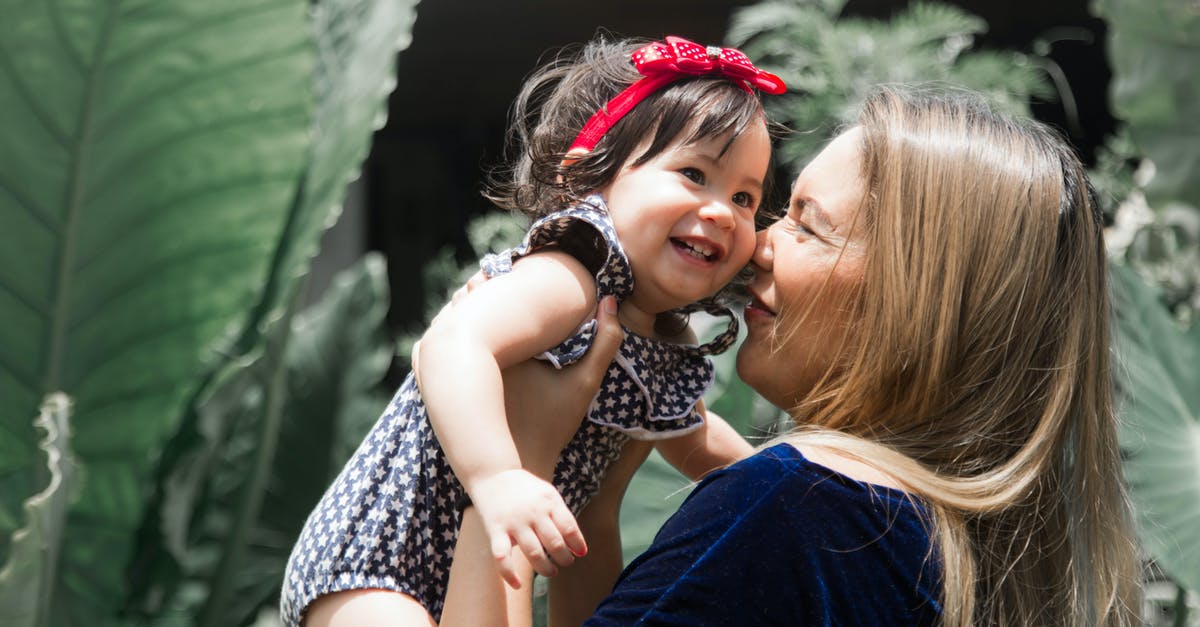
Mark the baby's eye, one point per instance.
(744, 199)
(693, 175)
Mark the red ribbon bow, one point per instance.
(663, 63)
(679, 55)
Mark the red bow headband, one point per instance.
(663, 63)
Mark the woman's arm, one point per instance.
(504, 321)
(576, 591)
(713, 446)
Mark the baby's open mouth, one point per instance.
(696, 249)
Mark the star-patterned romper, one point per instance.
(390, 519)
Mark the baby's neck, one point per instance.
(637, 319)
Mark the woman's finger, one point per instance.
(609, 336)
(475, 281)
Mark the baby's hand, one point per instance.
(519, 509)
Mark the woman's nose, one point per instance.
(764, 255)
(719, 213)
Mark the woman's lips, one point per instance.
(757, 310)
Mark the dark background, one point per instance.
(446, 118)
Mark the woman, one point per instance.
(933, 313)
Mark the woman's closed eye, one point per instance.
(800, 228)
(796, 223)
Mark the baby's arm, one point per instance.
(714, 445)
(502, 322)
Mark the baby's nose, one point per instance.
(719, 213)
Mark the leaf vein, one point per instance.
(143, 219)
(118, 173)
(212, 72)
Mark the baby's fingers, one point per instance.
(554, 544)
(571, 534)
(502, 551)
(532, 548)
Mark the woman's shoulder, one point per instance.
(846, 465)
(778, 538)
(820, 479)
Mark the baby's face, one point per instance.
(686, 217)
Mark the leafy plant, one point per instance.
(309, 393)
(1156, 242)
(1153, 48)
(164, 164)
(830, 63)
(1161, 431)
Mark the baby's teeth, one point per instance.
(698, 251)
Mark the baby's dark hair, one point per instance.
(559, 98)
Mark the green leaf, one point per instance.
(263, 469)
(149, 153)
(357, 42)
(1160, 434)
(27, 579)
(1154, 48)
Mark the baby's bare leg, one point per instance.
(367, 608)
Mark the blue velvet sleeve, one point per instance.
(778, 540)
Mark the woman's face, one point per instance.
(805, 266)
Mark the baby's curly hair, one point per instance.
(559, 98)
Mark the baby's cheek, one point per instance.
(743, 245)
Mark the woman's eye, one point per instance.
(798, 226)
(693, 175)
(744, 199)
(794, 216)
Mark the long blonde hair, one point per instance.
(978, 372)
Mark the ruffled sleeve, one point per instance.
(586, 232)
(651, 389)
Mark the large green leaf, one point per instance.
(1154, 49)
(357, 41)
(1160, 435)
(149, 153)
(27, 580)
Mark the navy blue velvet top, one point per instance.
(778, 540)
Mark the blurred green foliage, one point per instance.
(166, 170)
(830, 63)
